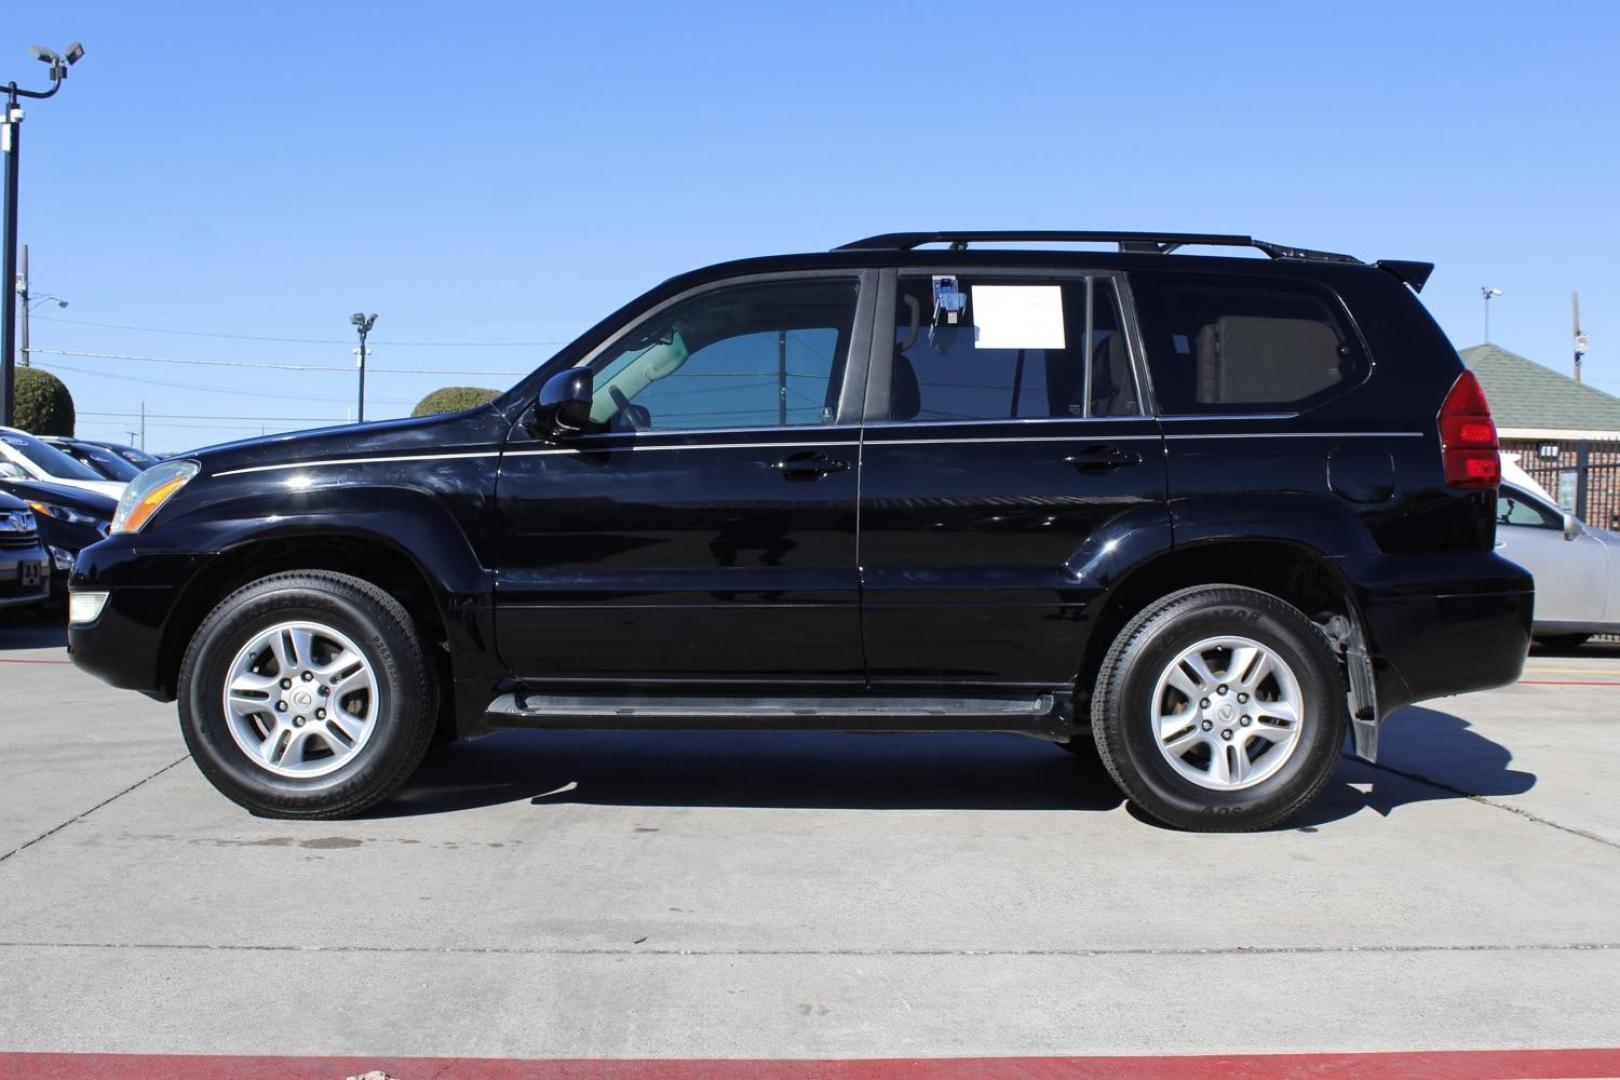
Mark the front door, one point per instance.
(702, 529)
(1003, 443)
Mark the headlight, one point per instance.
(63, 513)
(146, 494)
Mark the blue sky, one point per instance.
(492, 173)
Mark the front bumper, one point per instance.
(1442, 624)
(25, 576)
(124, 644)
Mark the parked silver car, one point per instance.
(1576, 566)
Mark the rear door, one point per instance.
(996, 448)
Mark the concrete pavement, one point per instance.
(726, 895)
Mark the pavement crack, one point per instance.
(81, 816)
(669, 951)
(1485, 800)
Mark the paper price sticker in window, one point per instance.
(1017, 316)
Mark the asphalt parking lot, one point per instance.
(741, 895)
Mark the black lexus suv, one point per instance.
(1207, 513)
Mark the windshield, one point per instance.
(49, 459)
(103, 461)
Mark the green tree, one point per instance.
(453, 399)
(43, 404)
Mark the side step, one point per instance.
(1041, 714)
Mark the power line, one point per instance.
(251, 392)
(346, 369)
(305, 341)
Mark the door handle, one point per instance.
(1104, 458)
(809, 465)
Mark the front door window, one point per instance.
(762, 355)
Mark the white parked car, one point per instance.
(24, 457)
(1576, 566)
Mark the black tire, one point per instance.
(379, 626)
(1562, 642)
(1121, 708)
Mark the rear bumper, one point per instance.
(124, 645)
(1442, 624)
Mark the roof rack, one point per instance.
(1153, 243)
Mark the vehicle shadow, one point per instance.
(810, 770)
(1591, 650)
(1426, 755)
(1423, 755)
(31, 630)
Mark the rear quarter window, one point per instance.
(1218, 344)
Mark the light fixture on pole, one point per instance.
(1489, 294)
(11, 116)
(362, 326)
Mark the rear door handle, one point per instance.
(809, 465)
(1103, 458)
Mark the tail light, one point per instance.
(1468, 442)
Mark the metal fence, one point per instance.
(1584, 476)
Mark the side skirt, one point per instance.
(1045, 715)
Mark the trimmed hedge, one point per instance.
(454, 399)
(43, 405)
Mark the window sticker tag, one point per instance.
(1017, 316)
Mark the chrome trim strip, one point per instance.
(1077, 437)
(1014, 439)
(1301, 435)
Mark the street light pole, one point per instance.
(11, 145)
(362, 326)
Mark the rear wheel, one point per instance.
(1220, 708)
(307, 694)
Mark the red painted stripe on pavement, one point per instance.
(1430, 1065)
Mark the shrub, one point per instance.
(43, 405)
(453, 399)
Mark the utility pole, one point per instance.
(1580, 335)
(1489, 294)
(143, 423)
(29, 301)
(11, 116)
(362, 326)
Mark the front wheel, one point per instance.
(307, 695)
(1220, 708)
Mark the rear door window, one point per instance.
(1019, 351)
(1218, 344)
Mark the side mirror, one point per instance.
(1572, 526)
(563, 406)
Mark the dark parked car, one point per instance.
(1212, 512)
(69, 520)
(25, 569)
(103, 459)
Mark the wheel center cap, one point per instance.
(303, 700)
(1226, 712)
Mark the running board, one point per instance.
(1041, 714)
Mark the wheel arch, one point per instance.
(377, 559)
(1298, 573)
